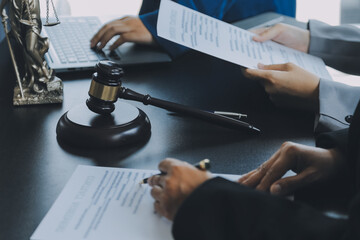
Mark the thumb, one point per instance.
(289, 185)
(121, 40)
(276, 67)
(258, 31)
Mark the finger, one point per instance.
(156, 192)
(260, 75)
(276, 171)
(289, 185)
(268, 34)
(260, 172)
(110, 33)
(156, 180)
(121, 40)
(246, 176)
(167, 164)
(96, 38)
(158, 208)
(269, 73)
(106, 37)
(255, 74)
(276, 67)
(258, 30)
(111, 30)
(124, 18)
(254, 179)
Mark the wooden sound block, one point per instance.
(127, 125)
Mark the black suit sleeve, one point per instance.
(220, 209)
(336, 139)
(348, 142)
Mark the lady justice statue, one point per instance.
(36, 82)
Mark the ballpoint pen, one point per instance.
(231, 114)
(219, 119)
(202, 165)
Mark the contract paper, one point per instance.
(206, 34)
(105, 203)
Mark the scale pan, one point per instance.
(51, 24)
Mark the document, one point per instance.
(105, 203)
(206, 34)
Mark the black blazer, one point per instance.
(220, 209)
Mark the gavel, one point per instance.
(106, 88)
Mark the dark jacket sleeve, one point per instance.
(336, 139)
(220, 209)
(173, 49)
(348, 142)
(354, 145)
(214, 8)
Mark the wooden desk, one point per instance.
(34, 167)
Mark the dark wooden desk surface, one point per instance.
(34, 167)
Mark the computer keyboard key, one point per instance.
(93, 58)
(72, 59)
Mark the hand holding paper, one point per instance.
(287, 79)
(287, 35)
(225, 41)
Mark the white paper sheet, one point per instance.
(206, 34)
(107, 204)
(104, 203)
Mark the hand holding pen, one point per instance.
(171, 189)
(202, 165)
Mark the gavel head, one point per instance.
(105, 87)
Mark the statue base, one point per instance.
(53, 94)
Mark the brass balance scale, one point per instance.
(36, 82)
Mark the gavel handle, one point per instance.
(129, 94)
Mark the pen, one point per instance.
(202, 165)
(231, 114)
(211, 117)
